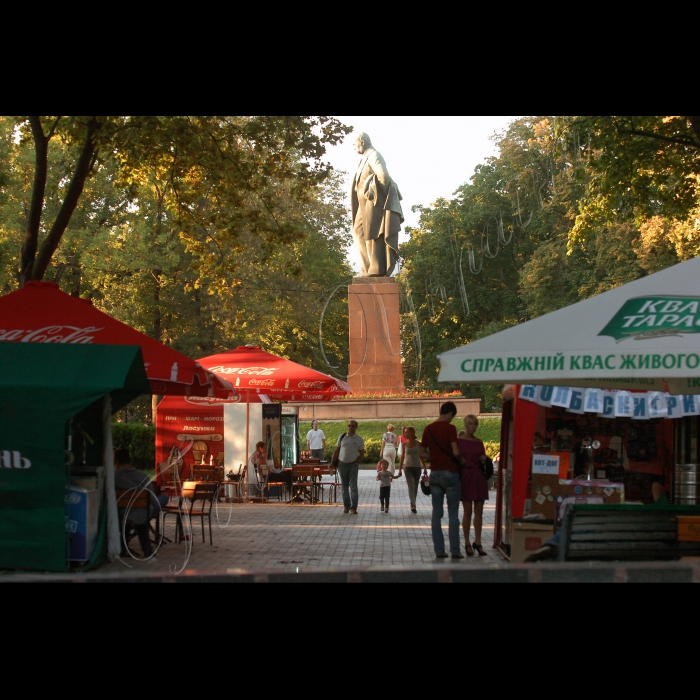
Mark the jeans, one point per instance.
(384, 495)
(412, 475)
(348, 477)
(444, 483)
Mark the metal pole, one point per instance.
(247, 453)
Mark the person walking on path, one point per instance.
(352, 452)
(439, 447)
(316, 441)
(388, 451)
(475, 488)
(411, 463)
(384, 478)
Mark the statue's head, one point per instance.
(362, 142)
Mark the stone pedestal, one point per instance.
(375, 336)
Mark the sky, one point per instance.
(427, 157)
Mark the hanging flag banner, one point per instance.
(657, 406)
(643, 405)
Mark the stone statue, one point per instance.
(376, 212)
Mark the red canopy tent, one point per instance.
(252, 370)
(41, 313)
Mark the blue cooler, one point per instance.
(82, 511)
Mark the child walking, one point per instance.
(384, 478)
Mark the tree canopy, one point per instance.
(571, 207)
(204, 232)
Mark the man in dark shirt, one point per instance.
(439, 445)
(127, 478)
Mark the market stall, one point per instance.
(56, 405)
(602, 379)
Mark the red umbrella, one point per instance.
(251, 369)
(41, 313)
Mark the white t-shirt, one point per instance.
(350, 448)
(315, 439)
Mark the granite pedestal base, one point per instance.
(375, 336)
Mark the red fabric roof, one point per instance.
(250, 368)
(41, 313)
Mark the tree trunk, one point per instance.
(31, 234)
(82, 170)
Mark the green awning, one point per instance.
(41, 387)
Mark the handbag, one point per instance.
(425, 483)
(487, 468)
(336, 452)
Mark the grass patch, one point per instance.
(372, 431)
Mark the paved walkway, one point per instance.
(282, 537)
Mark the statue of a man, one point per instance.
(376, 212)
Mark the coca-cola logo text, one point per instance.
(261, 382)
(259, 371)
(311, 385)
(52, 334)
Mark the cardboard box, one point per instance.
(528, 536)
(688, 528)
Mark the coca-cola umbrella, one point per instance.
(252, 369)
(41, 313)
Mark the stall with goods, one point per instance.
(601, 398)
(57, 503)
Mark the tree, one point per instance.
(218, 175)
(504, 248)
(634, 168)
(164, 268)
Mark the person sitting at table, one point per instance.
(126, 477)
(259, 459)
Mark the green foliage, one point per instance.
(139, 439)
(571, 207)
(633, 168)
(203, 232)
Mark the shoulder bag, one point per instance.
(487, 468)
(336, 453)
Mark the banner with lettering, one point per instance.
(642, 405)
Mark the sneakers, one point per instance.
(386, 510)
(346, 510)
(353, 511)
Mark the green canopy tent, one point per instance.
(43, 386)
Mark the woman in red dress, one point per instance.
(475, 488)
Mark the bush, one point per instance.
(139, 439)
(492, 448)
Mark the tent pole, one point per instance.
(247, 446)
(113, 533)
